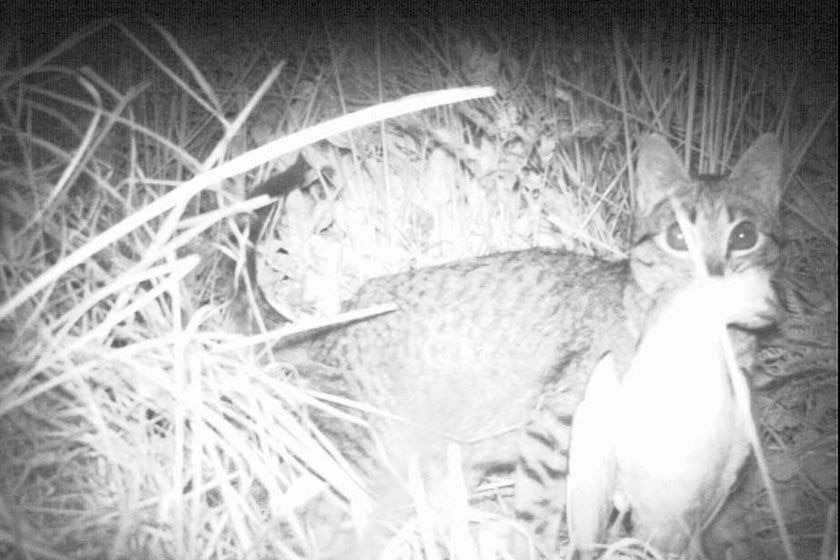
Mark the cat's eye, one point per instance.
(675, 239)
(744, 236)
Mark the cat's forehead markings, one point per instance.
(731, 213)
(741, 205)
(707, 201)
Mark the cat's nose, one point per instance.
(716, 267)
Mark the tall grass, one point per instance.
(136, 425)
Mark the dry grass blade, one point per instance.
(39, 63)
(212, 106)
(234, 127)
(73, 166)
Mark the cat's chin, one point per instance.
(745, 300)
(748, 300)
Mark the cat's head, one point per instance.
(734, 220)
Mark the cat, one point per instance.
(495, 352)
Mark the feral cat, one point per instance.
(495, 352)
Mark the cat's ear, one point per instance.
(759, 171)
(659, 172)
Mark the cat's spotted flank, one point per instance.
(497, 350)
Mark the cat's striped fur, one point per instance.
(495, 352)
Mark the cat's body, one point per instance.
(495, 352)
(469, 359)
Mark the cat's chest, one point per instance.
(667, 431)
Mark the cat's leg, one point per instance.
(542, 469)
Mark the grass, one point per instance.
(135, 425)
